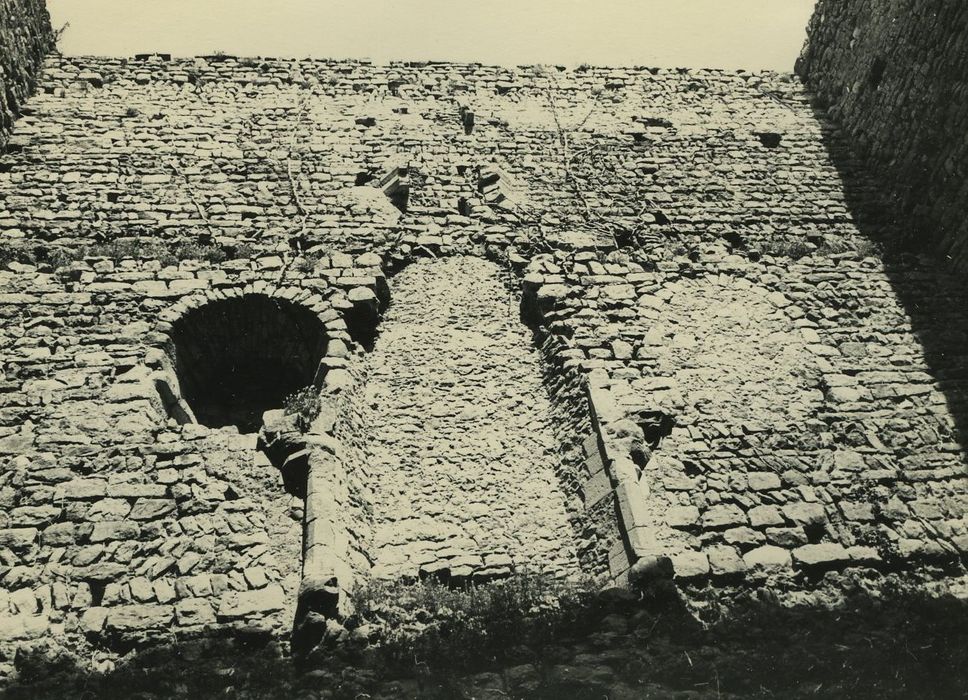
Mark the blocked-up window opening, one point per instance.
(237, 358)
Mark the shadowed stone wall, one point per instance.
(25, 38)
(892, 73)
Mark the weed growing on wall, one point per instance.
(122, 249)
(304, 404)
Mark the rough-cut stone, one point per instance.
(151, 508)
(725, 561)
(125, 618)
(805, 513)
(238, 604)
(765, 516)
(768, 558)
(825, 555)
(763, 481)
(723, 516)
(690, 565)
(114, 530)
(18, 538)
(194, 611)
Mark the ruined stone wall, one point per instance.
(893, 75)
(25, 38)
(768, 398)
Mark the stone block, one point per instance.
(238, 604)
(864, 556)
(109, 530)
(59, 534)
(135, 618)
(141, 589)
(765, 516)
(788, 537)
(23, 627)
(763, 481)
(18, 537)
(151, 508)
(194, 611)
(848, 460)
(632, 505)
(744, 537)
(725, 561)
(81, 489)
(768, 559)
(93, 619)
(820, 556)
(690, 565)
(596, 488)
(683, 517)
(856, 511)
(723, 516)
(805, 513)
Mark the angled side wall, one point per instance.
(893, 73)
(25, 37)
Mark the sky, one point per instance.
(733, 34)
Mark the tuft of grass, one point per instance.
(796, 249)
(304, 404)
(868, 249)
(785, 248)
(306, 262)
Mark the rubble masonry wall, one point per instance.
(690, 242)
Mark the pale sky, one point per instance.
(750, 34)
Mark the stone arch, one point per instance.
(230, 355)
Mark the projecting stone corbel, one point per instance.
(395, 184)
(498, 189)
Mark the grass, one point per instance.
(121, 249)
(876, 639)
(304, 404)
(796, 249)
(466, 627)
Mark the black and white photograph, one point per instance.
(449, 350)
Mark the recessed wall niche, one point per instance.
(236, 358)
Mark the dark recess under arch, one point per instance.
(239, 357)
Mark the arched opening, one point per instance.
(239, 357)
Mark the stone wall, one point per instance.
(762, 397)
(892, 73)
(25, 38)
